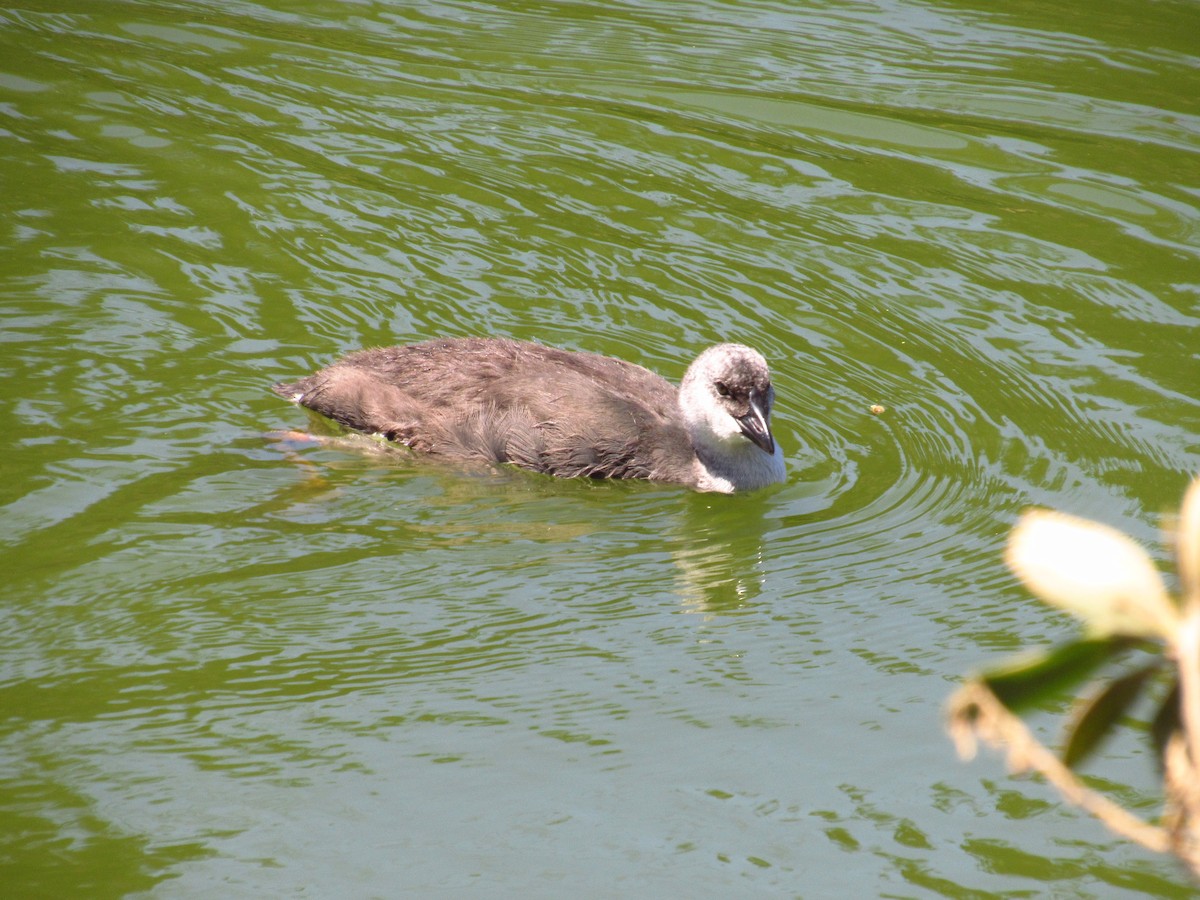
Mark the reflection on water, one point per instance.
(237, 659)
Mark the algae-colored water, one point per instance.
(232, 667)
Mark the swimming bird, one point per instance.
(566, 413)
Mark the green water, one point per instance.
(235, 667)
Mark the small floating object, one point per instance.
(878, 409)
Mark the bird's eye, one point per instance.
(722, 389)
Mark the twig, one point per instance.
(1182, 762)
(976, 712)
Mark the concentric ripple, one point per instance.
(965, 239)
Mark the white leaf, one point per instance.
(1188, 546)
(1093, 571)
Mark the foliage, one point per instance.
(1110, 583)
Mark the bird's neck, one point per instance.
(737, 468)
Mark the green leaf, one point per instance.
(1097, 717)
(1167, 721)
(1031, 680)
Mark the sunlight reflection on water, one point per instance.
(235, 661)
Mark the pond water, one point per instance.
(237, 667)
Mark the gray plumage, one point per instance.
(568, 414)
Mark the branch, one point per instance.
(974, 712)
(1182, 758)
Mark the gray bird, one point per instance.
(568, 414)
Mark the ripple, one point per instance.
(898, 204)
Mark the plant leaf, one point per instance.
(1092, 571)
(1167, 721)
(1096, 718)
(1031, 679)
(1187, 547)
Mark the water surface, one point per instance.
(238, 666)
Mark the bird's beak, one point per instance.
(754, 426)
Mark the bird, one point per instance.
(566, 413)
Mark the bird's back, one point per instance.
(500, 400)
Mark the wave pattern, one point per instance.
(978, 219)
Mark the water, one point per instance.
(237, 667)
